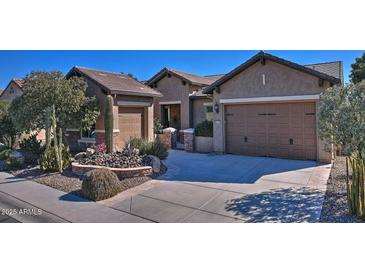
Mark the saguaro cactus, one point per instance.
(108, 123)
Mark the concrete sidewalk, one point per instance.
(55, 205)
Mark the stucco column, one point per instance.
(218, 128)
(150, 135)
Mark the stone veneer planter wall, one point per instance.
(188, 139)
(203, 144)
(122, 173)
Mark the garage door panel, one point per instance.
(269, 129)
(131, 123)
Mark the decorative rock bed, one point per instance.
(122, 173)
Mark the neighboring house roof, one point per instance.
(261, 56)
(334, 69)
(19, 82)
(115, 83)
(190, 78)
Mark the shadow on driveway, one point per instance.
(280, 205)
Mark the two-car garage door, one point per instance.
(284, 130)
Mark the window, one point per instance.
(208, 107)
(88, 134)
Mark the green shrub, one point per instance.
(31, 144)
(5, 154)
(204, 129)
(138, 143)
(158, 149)
(155, 148)
(157, 127)
(48, 161)
(11, 163)
(100, 184)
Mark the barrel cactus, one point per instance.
(100, 184)
(108, 123)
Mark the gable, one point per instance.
(172, 88)
(11, 92)
(271, 79)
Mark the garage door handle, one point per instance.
(245, 139)
(291, 141)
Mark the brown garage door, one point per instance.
(285, 130)
(131, 123)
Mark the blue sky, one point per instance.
(143, 64)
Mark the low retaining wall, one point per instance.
(203, 144)
(122, 173)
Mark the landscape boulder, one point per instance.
(80, 155)
(16, 157)
(90, 151)
(154, 162)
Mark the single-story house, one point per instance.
(132, 111)
(268, 106)
(12, 90)
(183, 104)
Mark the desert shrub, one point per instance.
(11, 163)
(155, 148)
(100, 184)
(8, 130)
(139, 143)
(31, 144)
(5, 154)
(204, 129)
(158, 149)
(48, 160)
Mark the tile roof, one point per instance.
(262, 56)
(330, 68)
(189, 77)
(115, 83)
(19, 82)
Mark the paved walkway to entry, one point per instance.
(229, 188)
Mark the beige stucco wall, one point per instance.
(280, 80)
(11, 92)
(173, 89)
(198, 110)
(95, 90)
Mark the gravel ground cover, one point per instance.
(70, 182)
(335, 208)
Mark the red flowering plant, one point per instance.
(101, 148)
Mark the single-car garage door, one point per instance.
(131, 123)
(284, 130)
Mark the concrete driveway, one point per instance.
(229, 188)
